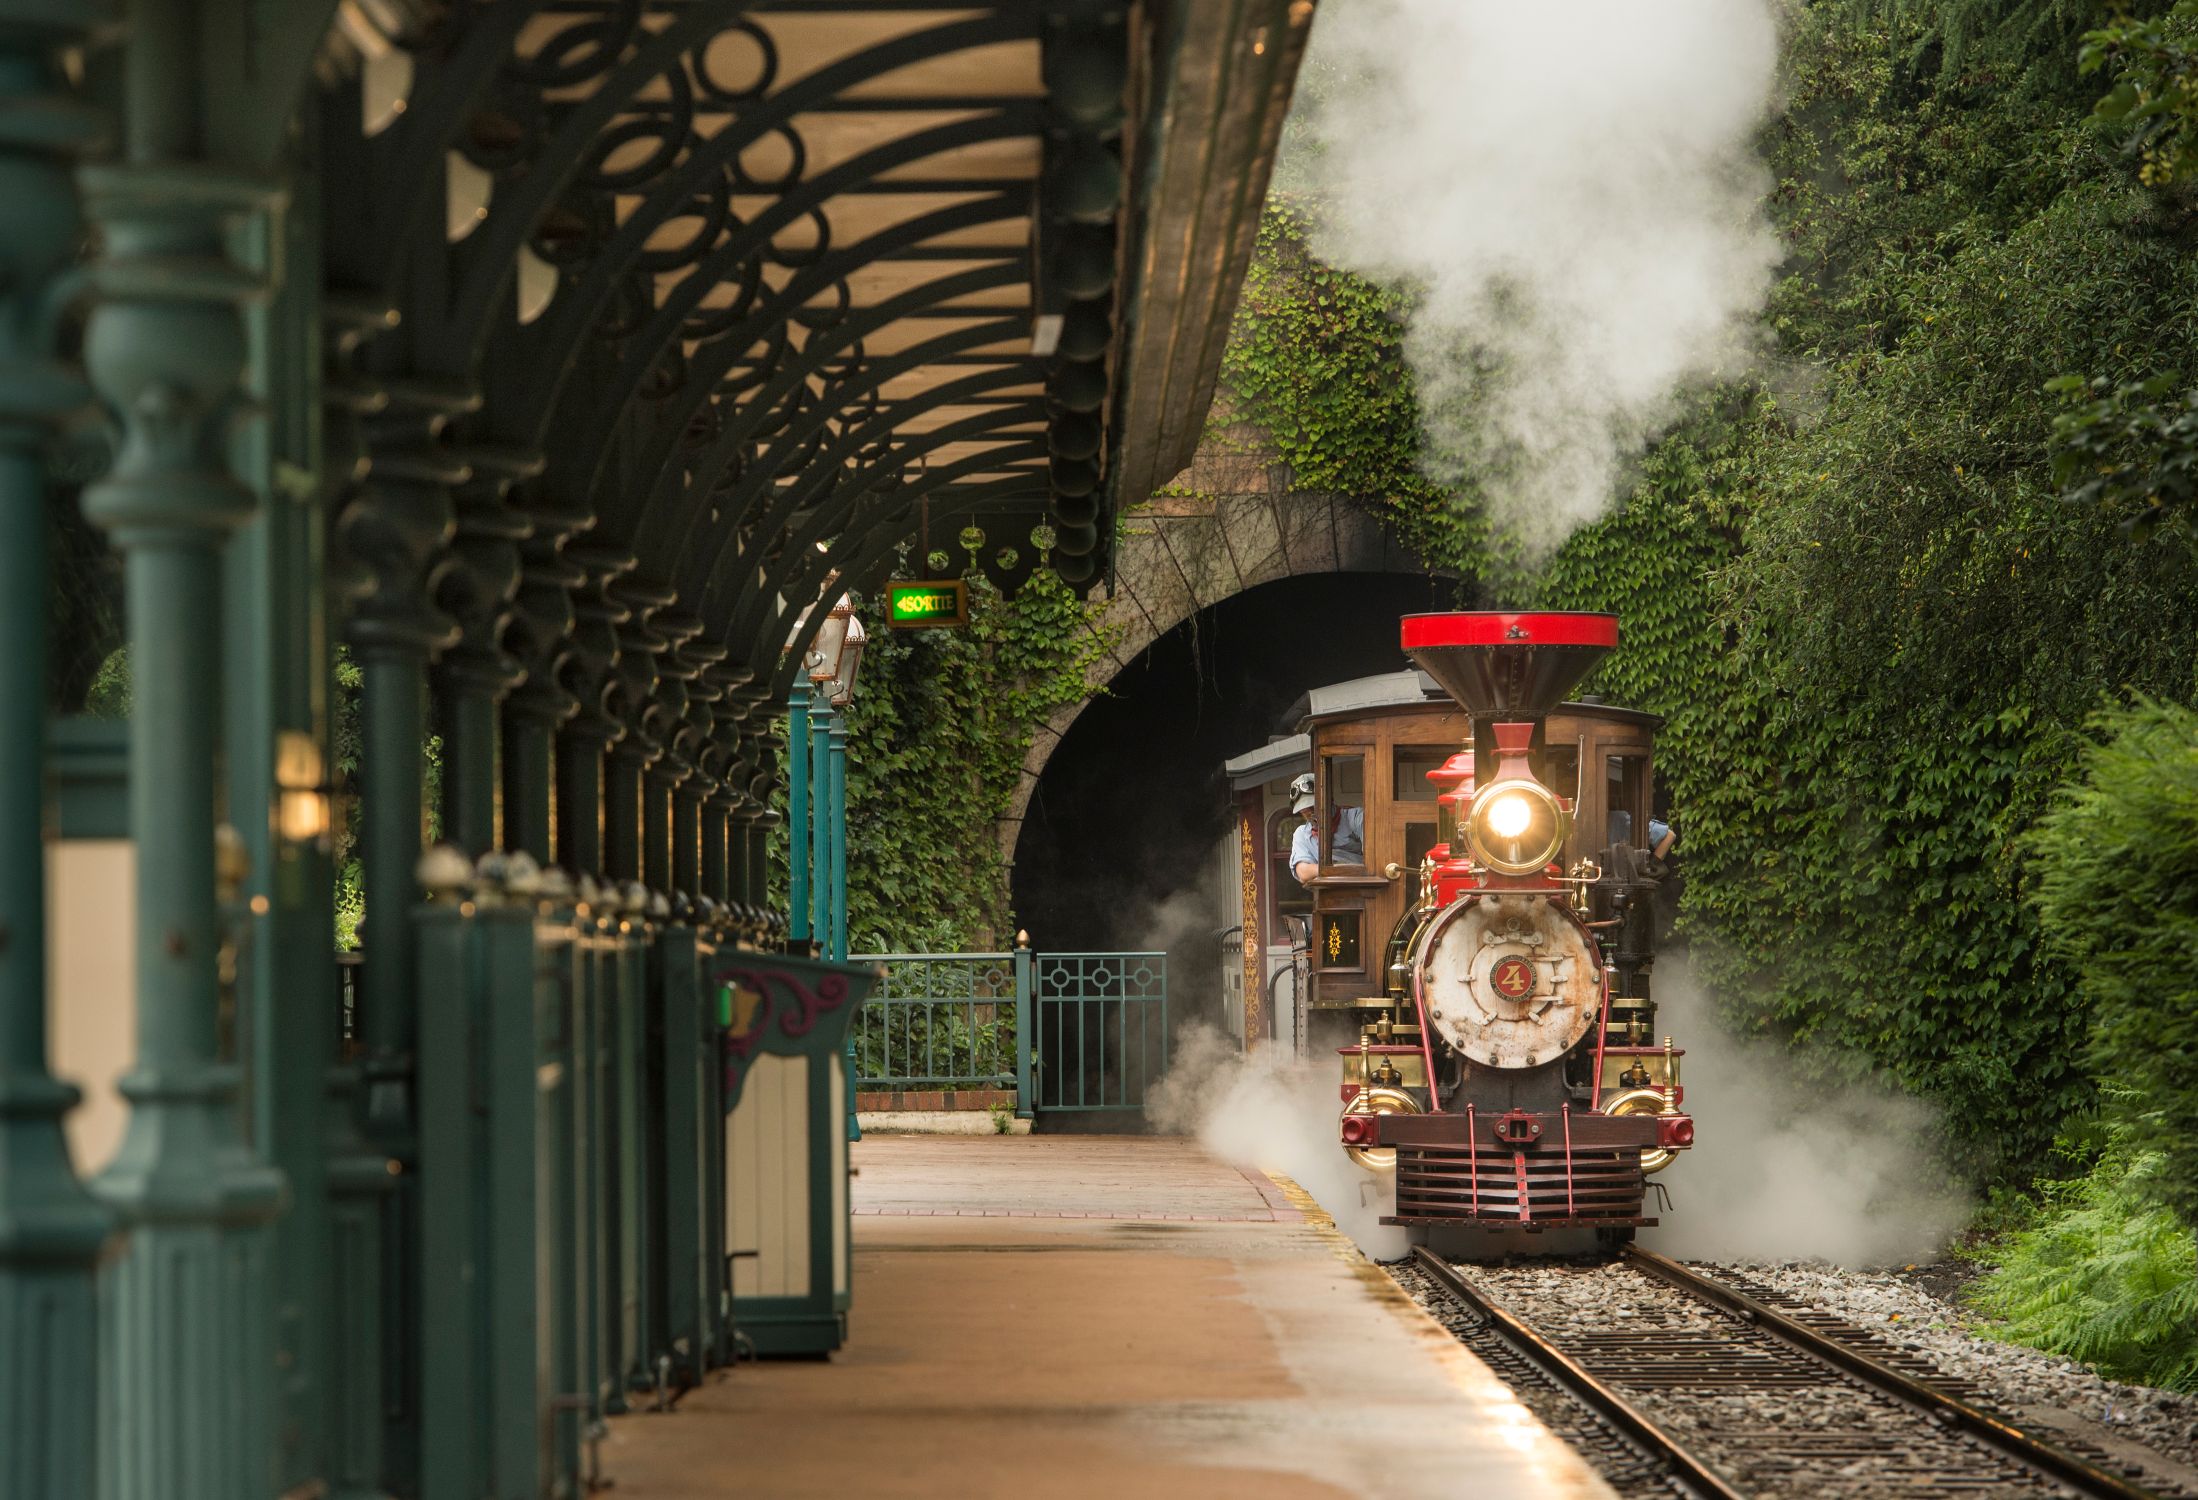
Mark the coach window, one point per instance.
(1343, 813)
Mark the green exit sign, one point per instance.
(926, 606)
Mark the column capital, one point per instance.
(397, 525)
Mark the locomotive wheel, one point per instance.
(1615, 1235)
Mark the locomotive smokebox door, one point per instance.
(1510, 980)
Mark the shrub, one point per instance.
(2102, 1273)
(2117, 890)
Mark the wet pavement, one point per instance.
(1075, 1317)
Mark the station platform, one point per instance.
(1091, 1316)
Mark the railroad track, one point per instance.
(1700, 1387)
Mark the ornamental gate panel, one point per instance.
(1101, 1030)
(1068, 1032)
(942, 1021)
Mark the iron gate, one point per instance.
(1101, 1030)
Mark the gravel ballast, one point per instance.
(2022, 1382)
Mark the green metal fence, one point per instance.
(1101, 1029)
(944, 1021)
(1066, 1031)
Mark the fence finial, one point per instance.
(1022, 938)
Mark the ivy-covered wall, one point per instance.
(937, 731)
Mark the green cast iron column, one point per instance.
(187, 1375)
(592, 652)
(398, 527)
(635, 673)
(656, 822)
(580, 750)
(276, 708)
(711, 814)
(820, 818)
(798, 908)
(836, 838)
(541, 625)
(51, 1230)
(837, 833)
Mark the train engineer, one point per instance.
(1350, 844)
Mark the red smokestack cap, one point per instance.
(1520, 666)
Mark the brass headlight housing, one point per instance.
(1515, 827)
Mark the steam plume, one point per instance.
(1569, 190)
(1789, 1170)
(1278, 1116)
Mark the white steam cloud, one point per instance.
(1570, 192)
(1787, 1169)
(1278, 1116)
(1784, 1169)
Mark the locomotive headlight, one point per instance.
(1515, 827)
(1510, 814)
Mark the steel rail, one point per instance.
(1947, 1410)
(1573, 1378)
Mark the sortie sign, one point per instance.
(926, 606)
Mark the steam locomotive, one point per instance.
(1501, 1068)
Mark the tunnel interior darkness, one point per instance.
(1117, 849)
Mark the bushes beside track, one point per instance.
(2117, 889)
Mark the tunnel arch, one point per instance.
(1237, 525)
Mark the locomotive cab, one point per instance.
(1500, 1062)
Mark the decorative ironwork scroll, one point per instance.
(784, 1006)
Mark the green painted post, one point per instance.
(1026, 1016)
(556, 1236)
(632, 1116)
(360, 1186)
(797, 815)
(521, 1344)
(596, 1136)
(455, 1193)
(682, 1252)
(188, 1367)
(836, 832)
(51, 1230)
(820, 817)
(717, 1296)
